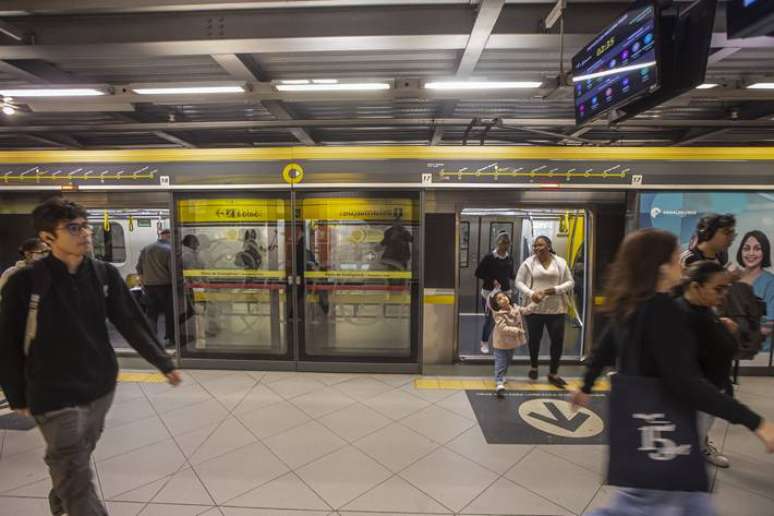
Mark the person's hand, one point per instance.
(579, 399)
(173, 377)
(550, 291)
(765, 433)
(537, 297)
(729, 324)
(22, 412)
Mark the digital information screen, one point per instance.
(749, 18)
(617, 65)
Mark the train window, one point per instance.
(109, 246)
(464, 244)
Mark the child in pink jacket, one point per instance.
(509, 333)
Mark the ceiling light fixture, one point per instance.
(707, 86)
(325, 81)
(185, 90)
(481, 85)
(52, 92)
(295, 81)
(761, 86)
(352, 86)
(8, 110)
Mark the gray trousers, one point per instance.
(71, 434)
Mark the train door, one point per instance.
(478, 230)
(357, 293)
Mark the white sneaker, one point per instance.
(484, 347)
(500, 389)
(714, 457)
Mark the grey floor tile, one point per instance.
(286, 492)
(733, 501)
(396, 446)
(126, 391)
(431, 395)
(343, 475)
(234, 511)
(274, 419)
(129, 411)
(398, 496)
(354, 422)
(173, 398)
(363, 388)
(173, 510)
(184, 488)
(449, 478)
(39, 489)
(740, 441)
(131, 436)
(240, 471)
(10, 506)
(293, 387)
(235, 382)
(323, 401)
(144, 493)
(438, 424)
(506, 498)
(21, 469)
(124, 508)
(270, 377)
(17, 441)
(138, 468)
(593, 457)
(396, 380)
(396, 404)
(189, 442)
(190, 418)
(602, 499)
(227, 436)
(258, 397)
(303, 444)
(459, 404)
(555, 479)
(750, 474)
(496, 457)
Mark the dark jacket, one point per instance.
(716, 345)
(669, 351)
(155, 263)
(71, 361)
(494, 268)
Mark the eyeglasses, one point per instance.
(75, 228)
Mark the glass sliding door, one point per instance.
(234, 263)
(357, 262)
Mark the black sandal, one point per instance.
(557, 381)
(532, 373)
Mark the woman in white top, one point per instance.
(545, 279)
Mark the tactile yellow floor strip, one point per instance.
(126, 376)
(482, 384)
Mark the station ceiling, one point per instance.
(119, 46)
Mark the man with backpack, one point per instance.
(56, 360)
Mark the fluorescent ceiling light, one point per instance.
(295, 81)
(613, 71)
(481, 85)
(53, 92)
(706, 86)
(182, 90)
(761, 86)
(352, 86)
(325, 81)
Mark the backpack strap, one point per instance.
(41, 284)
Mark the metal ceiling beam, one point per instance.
(488, 13)
(573, 136)
(722, 54)
(55, 140)
(246, 68)
(536, 123)
(12, 31)
(174, 139)
(757, 112)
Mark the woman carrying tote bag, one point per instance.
(655, 454)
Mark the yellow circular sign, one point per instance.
(557, 417)
(292, 173)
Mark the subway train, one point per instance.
(363, 259)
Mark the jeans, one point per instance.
(502, 359)
(488, 322)
(71, 434)
(646, 502)
(555, 325)
(160, 302)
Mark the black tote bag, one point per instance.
(654, 442)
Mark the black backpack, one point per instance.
(41, 284)
(747, 310)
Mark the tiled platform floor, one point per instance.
(282, 444)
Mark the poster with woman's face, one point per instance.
(750, 250)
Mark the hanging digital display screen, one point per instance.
(748, 18)
(621, 63)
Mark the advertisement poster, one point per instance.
(679, 213)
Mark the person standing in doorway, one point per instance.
(546, 280)
(56, 360)
(154, 268)
(496, 272)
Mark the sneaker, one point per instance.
(500, 390)
(713, 456)
(484, 347)
(532, 374)
(557, 381)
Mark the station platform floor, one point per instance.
(229, 443)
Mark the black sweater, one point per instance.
(669, 351)
(494, 268)
(71, 361)
(716, 345)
